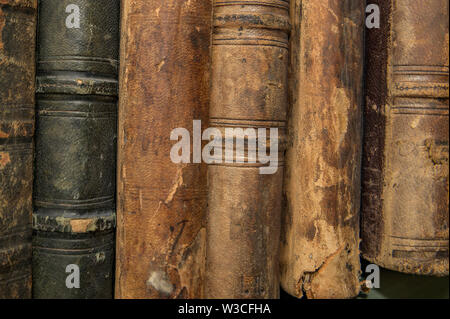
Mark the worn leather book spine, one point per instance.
(249, 92)
(320, 234)
(74, 187)
(17, 75)
(405, 213)
(164, 85)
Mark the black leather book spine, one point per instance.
(74, 188)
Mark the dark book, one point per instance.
(17, 75)
(405, 220)
(74, 187)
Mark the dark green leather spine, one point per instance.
(74, 213)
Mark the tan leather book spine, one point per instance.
(17, 124)
(164, 84)
(405, 177)
(249, 91)
(320, 235)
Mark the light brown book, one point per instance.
(320, 234)
(164, 85)
(405, 190)
(249, 92)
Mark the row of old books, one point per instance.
(355, 153)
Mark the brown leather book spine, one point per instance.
(405, 166)
(320, 235)
(17, 77)
(164, 84)
(249, 91)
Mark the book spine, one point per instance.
(320, 235)
(249, 92)
(17, 74)
(164, 85)
(74, 209)
(405, 196)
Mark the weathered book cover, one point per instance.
(249, 94)
(74, 187)
(164, 86)
(17, 75)
(320, 234)
(405, 178)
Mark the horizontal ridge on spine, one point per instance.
(20, 238)
(270, 14)
(420, 81)
(76, 243)
(19, 145)
(64, 82)
(74, 224)
(75, 204)
(19, 4)
(246, 123)
(13, 276)
(283, 4)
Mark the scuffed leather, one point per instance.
(405, 188)
(249, 90)
(17, 75)
(164, 84)
(320, 235)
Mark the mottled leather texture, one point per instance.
(74, 187)
(250, 59)
(164, 84)
(320, 234)
(17, 74)
(405, 212)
